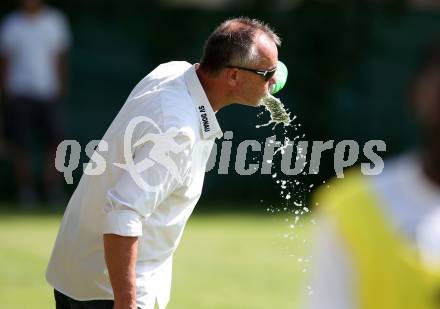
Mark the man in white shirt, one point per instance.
(120, 228)
(33, 44)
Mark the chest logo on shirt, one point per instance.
(204, 117)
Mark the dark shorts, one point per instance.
(27, 119)
(64, 302)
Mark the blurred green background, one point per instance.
(225, 261)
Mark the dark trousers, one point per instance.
(64, 302)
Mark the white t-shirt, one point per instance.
(173, 104)
(31, 45)
(412, 206)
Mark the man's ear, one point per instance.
(232, 76)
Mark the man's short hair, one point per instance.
(233, 43)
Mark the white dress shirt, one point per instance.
(173, 99)
(412, 207)
(31, 45)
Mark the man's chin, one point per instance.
(258, 103)
(261, 101)
(251, 104)
(255, 103)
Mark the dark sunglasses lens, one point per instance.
(269, 75)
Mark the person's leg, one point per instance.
(52, 126)
(18, 121)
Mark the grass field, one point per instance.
(224, 261)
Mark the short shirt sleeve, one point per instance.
(61, 32)
(160, 166)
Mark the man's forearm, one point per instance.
(120, 257)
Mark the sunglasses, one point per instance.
(266, 75)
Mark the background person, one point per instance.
(34, 41)
(117, 237)
(378, 238)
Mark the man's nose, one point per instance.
(272, 80)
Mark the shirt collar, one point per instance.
(208, 121)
